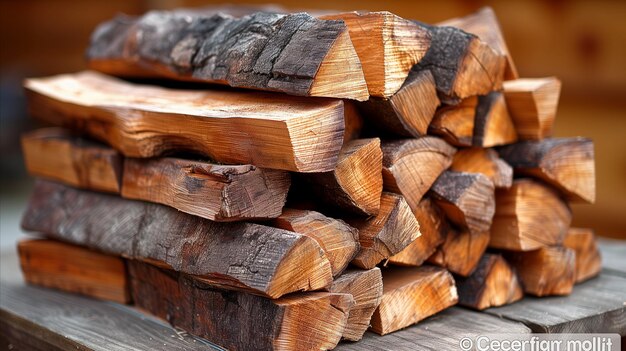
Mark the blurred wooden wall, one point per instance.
(582, 42)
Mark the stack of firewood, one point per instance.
(389, 170)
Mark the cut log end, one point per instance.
(455, 124)
(588, 259)
(486, 162)
(461, 251)
(492, 124)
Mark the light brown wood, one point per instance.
(338, 240)
(484, 24)
(486, 162)
(411, 294)
(387, 46)
(366, 287)
(565, 163)
(455, 123)
(411, 166)
(55, 154)
(532, 104)
(492, 124)
(280, 132)
(387, 233)
(355, 185)
(433, 227)
(217, 192)
(545, 271)
(71, 268)
(468, 199)
(529, 216)
(493, 283)
(461, 251)
(588, 259)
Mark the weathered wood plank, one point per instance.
(237, 127)
(612, 252)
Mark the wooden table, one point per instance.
(43, 319)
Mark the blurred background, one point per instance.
(582, 42)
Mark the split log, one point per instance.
(493, 283)
(433, 228)
(486, 162)
(355, 185)
(220, 193)
(366, 287)
(529, 215)
(468, 199)
(409, 111)
(455, 123)
(239, 256)
(546, 271)
(462, 64)
(411, 294)
(461, 251)
(411, 166)
(565, 163)
(74, 269)
(492, 123)
(294, 54)
(338, 240)
(237, 320)
(387, 46)
(353, 121)
(484, 24)
(280, 132)
(588, 259)
(55, 154)
(387, 233)
(532, 104)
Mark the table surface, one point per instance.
(44, 319)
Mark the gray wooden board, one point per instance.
(595, 306)
(613, 256)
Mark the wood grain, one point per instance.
(455, 123)
(588, 259)
(461, 251)
(486, 162)
(492, 124)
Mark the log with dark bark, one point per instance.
(492, 123)
(366, 287)
(266, 130)
(237, 320)
(461, 251)
(455, 123)
(468, 199)
(588, 259)
(355, 185)
(242, 256)
(61, 266)
(338, 240)
(493, 283)
(411, 166)
(529, 215)
(409, 111)
(295, 53)
(55, 154)
(411, 294)
(565, 163)
(433, 227)
(532, 104)
(220, 193)
(387, 233)
(484, 24)
(484, 161)
(462, 64)
(546, 271)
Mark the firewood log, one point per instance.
(461, 251)
(588, 259)
(545, 271)
(486, 162)
(492, 123)
(455, 123)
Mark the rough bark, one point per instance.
(486, 162)
(546, 271)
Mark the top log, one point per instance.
(266, 130)
(295, 53)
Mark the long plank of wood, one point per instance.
(249, 257)
(461, 251)
(588, 259)
(295, 53)
(266, 130)
(411, 166)
(410, 294)
(565, 163)
(55, 154)
(484, 161)
(217, 192)
(339, 241)
(238, 320)
(595, 306)
(366, 287)
(75, 269)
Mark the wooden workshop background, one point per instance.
(582, 42)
